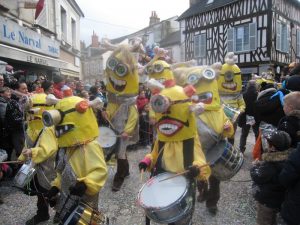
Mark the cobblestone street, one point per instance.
(236, 206)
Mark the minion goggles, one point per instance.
(229, 75)
(208, 74)
(161, 104)
(117, 67)
(156, 68)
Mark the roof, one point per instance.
(118, 40)
(76, 7)
(202, 7)
(171, 39)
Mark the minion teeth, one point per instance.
(118, 85)
(169, 127)
(231, 86)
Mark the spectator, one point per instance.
(1, 81)
(144, 130)
(289, 177)
(84, 94)
(247, 118)
(267, 190)
(59, 82)
(12, 123)
(79, 88)
(71, 84)
(291, 122)
(48, 87)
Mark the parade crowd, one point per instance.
(186, 114)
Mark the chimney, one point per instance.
(153, 18)
(95, 40)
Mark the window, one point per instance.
(298, 43)
(63, 19)
(73, 25)
(200, 45)
(242, 38)
(282, 41)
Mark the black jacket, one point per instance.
(290, 178)
(291, 125)
(266, 187)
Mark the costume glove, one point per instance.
(193, 171)
(78, 189)
(143, 166)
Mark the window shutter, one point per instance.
(278, 35)
(196, 46)
(252, 36)
(202, 45)
(288, 38)
(230, 40)
(298, 43)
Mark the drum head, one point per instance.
(107, 137)
(155, 194)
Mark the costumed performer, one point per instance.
(230, 89)
(80, 165)
(41, 147)
(212, 123)
(177, 147)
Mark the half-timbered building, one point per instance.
(263, 33)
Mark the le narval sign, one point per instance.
(13, 34)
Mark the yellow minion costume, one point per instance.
(122, 87)
(80, 165)
(41, 148)
(230, 86)
(212, 123)
(177, 147)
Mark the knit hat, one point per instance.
(46, 85)
(292, 83)
(281, 140)
(57, 79)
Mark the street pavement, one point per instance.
(236, 206)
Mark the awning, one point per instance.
(69, 73)
(30, 57)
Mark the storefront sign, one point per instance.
(16, 35)
(37, 60)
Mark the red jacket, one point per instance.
(141, 102)
(58, 93)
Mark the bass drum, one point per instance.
(108, 141)
(84, 214)
(225, 160)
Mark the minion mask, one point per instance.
(34, 114)
(121, 72)
(204, 80)
(174, 120)
(160, 71)
(230, 79)
(74, 121)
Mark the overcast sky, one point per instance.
(116, 18)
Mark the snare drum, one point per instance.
(25, 175)
(167, 201)
(84, 214)
(231, 113)
(107, 140)
(225, 159)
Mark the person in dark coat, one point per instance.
(289, 177)
(267, 191)
(291, 122)
(250, 96)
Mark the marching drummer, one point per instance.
(177, 147)
(212, 123)
(41, 148)
(80, 165)
(230, 87)
(121, 111)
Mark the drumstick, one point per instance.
(11, 162)
(142, 175)
(182, 173)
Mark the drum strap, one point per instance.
(188, 155)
